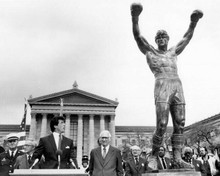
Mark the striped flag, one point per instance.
(22, 133)
(23, 122)
(61, 106)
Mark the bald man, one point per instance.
(105, 160)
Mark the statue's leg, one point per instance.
(162, 112)
(177, 139)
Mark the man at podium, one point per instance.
(56, 148)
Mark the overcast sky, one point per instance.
(46, 45)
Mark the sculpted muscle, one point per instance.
(162, 64)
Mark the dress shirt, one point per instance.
(14, 152)
(56, 138)
(106, 148)
(161, 161)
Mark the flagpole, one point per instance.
(61, 106)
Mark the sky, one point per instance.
(46, 45)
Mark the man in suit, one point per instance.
(57, 149)
(24, 161)
(7, 158)
(162, 161)
(206, 160)
(105, 160)
(187, 156)
(135, 165)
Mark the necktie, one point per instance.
(12, 154)
(104, 152)
(29, 159)
(136, 161)
(164, 165)
(59, 142)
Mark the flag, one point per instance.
(61, 106)
(23, 122)
(22, 138)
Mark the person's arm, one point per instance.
(73, 160)
(91, 163)
(119, 168)
(142, 43)
(17, 162)
(127, 169)
(38, 151)
(195, 16)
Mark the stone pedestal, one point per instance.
(173, 172)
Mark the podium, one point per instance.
(174, 172)
(48, 172)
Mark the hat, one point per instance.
(12, 136)
(187, 149)
(30, 142)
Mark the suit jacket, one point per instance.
(47, 147)
(22, 163)
(198, 166)
(7, 163)
(167, 161)
(131, 169)
(110, 166)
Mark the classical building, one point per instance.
(86, 116)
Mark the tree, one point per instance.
(203, 135)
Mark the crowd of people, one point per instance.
(56, 151)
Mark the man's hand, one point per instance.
(196, 15)
(136, 9)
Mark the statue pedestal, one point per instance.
(173, 172)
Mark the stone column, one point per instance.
(67, 126)
(43, 126)
(102, 122)
(91, 132)
(79, 139)
(112, 129)
(33, 127)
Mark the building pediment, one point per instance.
(71, 97)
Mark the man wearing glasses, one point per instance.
(8, 158)
(24, 161)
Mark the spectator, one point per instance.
(7, 158)
(204, 158)
(135, 165)
(162, 161)
(105, 160)
(24, 161)
(188, 157)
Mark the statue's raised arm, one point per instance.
(142, 43)
(195, 16)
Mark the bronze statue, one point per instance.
(168, 91)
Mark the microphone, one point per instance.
(71, 161)
(59, 153)
(35, 162)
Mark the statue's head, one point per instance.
(161, 34)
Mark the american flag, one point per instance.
(22, 133)
(23, 122)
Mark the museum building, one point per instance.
(86, 116)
